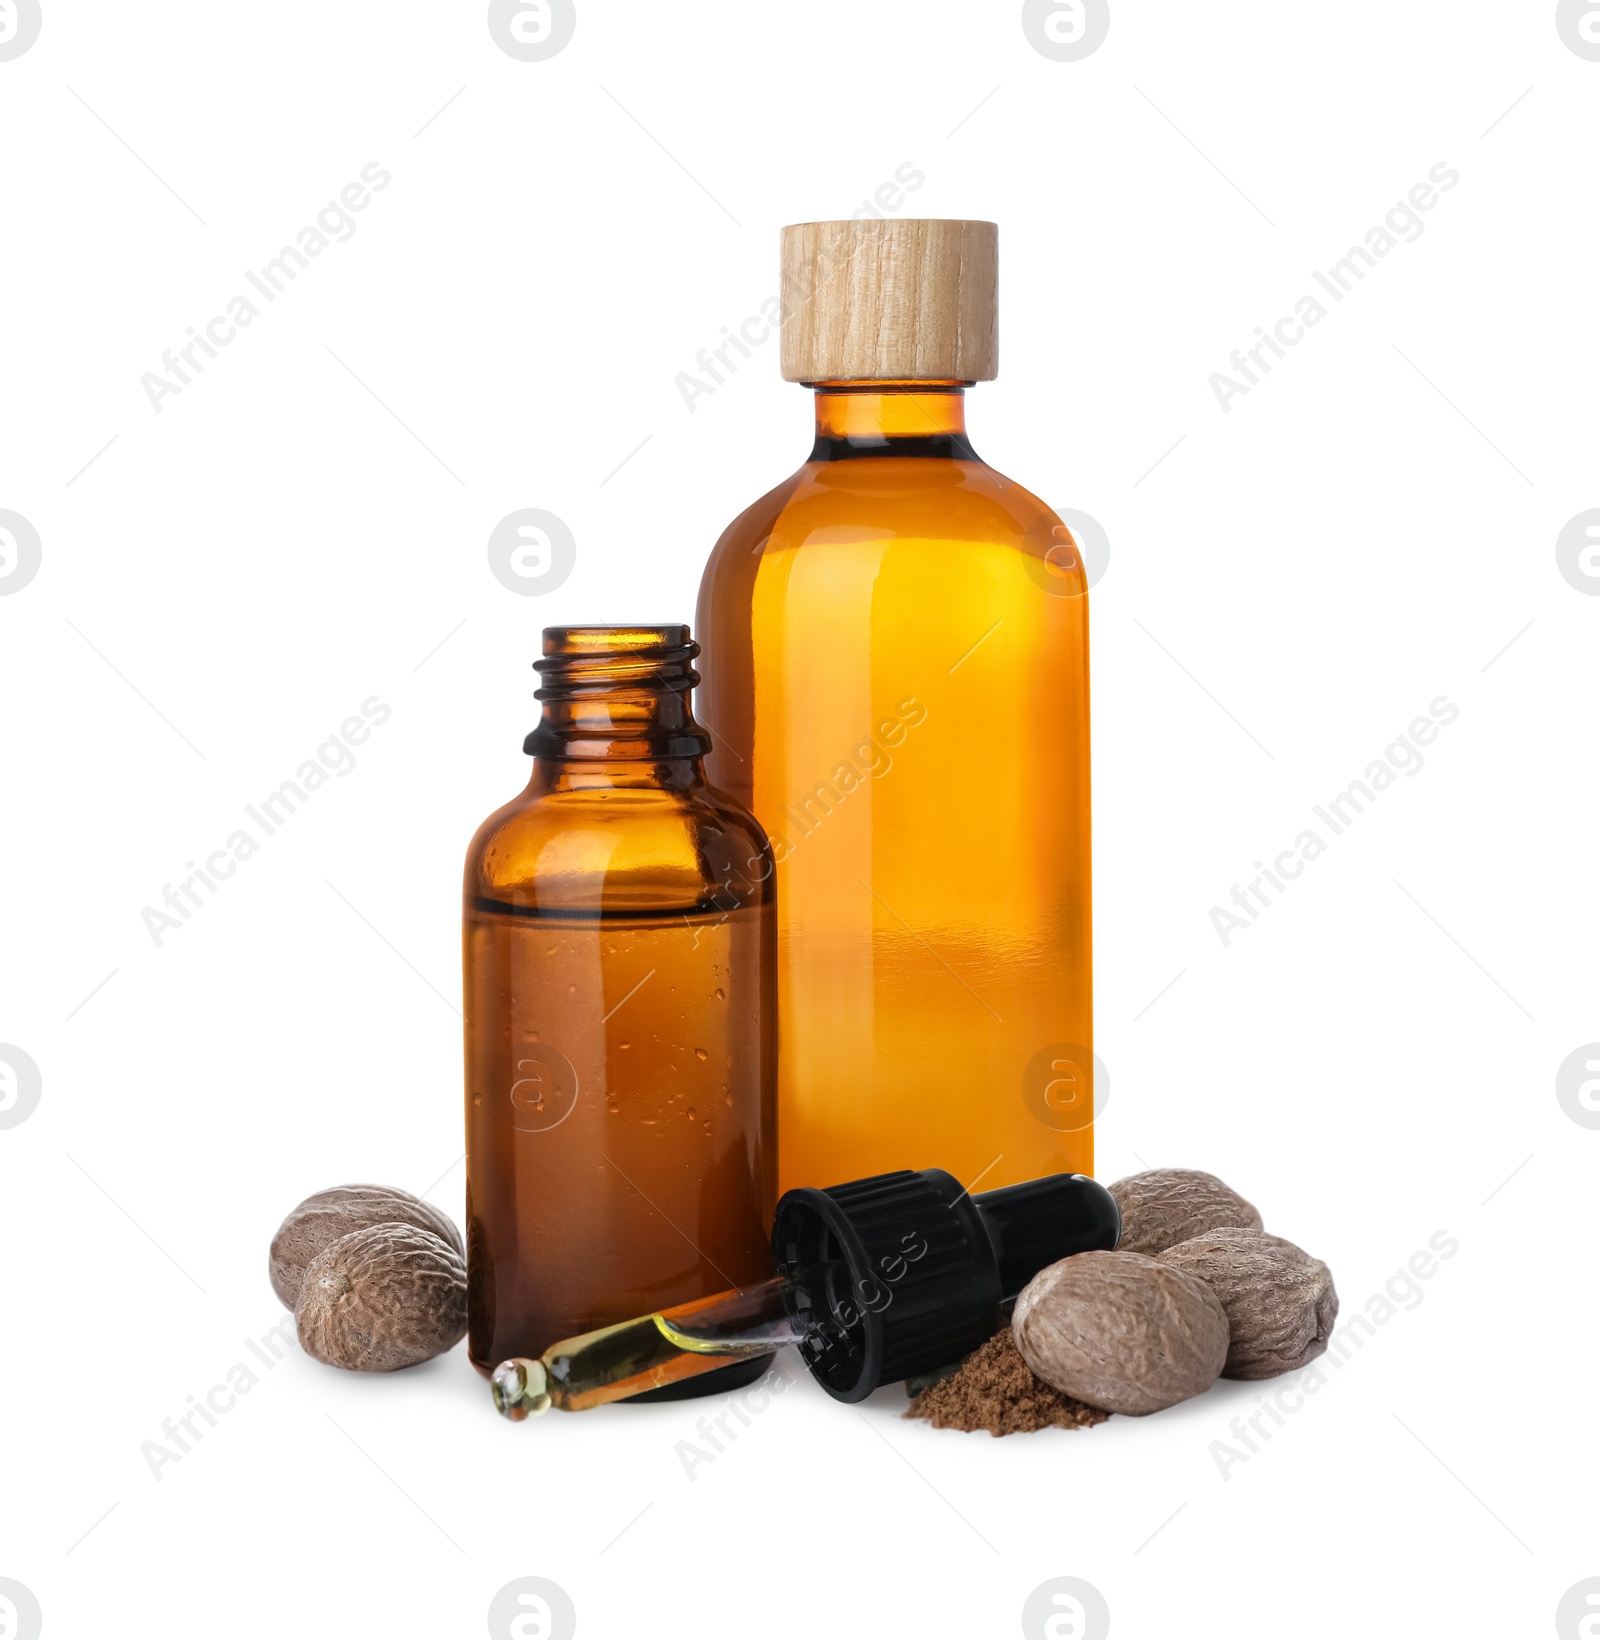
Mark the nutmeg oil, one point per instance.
(620, 1035)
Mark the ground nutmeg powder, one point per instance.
(996, 1390)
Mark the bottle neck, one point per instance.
(617, 708)
(866, 419)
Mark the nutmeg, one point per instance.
(1170, 1204)
(1280, 1302)
(320, 1220)
(1121, 1331)
(384, 1297)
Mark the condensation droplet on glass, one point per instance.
(700, 1053)
(722, 996)
(690, 1113)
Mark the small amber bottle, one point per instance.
(621, 1038)
(897, 676)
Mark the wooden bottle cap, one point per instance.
(896, 300)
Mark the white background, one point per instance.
(305, 526)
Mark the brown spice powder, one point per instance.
(996, 1390)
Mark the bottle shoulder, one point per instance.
(749, 528)
(600, 845)
(893, 496)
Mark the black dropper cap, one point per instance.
(906, 1272)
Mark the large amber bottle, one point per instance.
(620, 1028)
(896, 676)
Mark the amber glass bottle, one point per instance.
(620, 1027)
(897, 675)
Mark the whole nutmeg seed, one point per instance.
(320, 1220)
(382, 1298)
(1121, 1331)
(1280, 1301)
(1171, 1204)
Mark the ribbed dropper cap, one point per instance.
(907, 1272)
